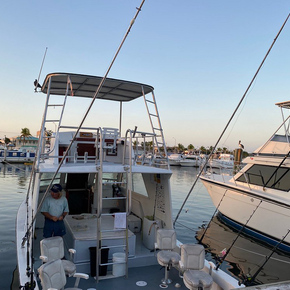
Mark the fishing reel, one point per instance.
(247, 280)
(28, 286)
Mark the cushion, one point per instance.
(193, 279)
(69, 267)
(167, 257)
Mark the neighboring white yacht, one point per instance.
(190, 161)
(117, 201)
(175, 158)
(257, 199)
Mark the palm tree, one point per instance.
(7, 140)
(190, 147)
(203, 149)
(24, 134)
(180, 147)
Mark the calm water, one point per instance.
(245, 256)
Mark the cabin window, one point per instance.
(267, 176)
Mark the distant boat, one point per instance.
(22, 155)
(256, 199)
(222, 160)
(190, 161)
(174, 159)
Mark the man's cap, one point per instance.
(56, 188)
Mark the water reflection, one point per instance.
(246, 257)
(21, 171)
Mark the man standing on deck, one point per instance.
(54, 209)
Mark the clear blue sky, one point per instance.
(200, 57)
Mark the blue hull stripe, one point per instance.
(284, 247)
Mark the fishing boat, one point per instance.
(256, 199)
(21, 155)
(118, 204)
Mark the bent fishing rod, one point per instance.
(231, 118)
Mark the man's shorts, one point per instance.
(52, 228)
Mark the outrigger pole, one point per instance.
(83, 120)
(239, 104)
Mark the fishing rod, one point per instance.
(84, 118)
(221, 259)
(249, 280)
(239, 104)
(212, 217)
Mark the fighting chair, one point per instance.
(52, 276)
(53, 249)
(191, 265)
(166, 257)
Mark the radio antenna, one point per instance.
(36, 82)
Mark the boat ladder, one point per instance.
(121, 195)
(157, 130)
(52, 109)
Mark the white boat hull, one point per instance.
(188, 163)
(174, 162)
(221, 164)
(246, 207)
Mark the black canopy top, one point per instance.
(86, 86)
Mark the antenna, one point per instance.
(36, 82)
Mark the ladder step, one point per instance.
(111, 247)
(110, 214)
(55, 105)
(113, 198)
(112, 263)
(152, 102)
(114, 182)
(85, 142)
(50, 121)
(154, 115)
(74, 127)
(112, 230)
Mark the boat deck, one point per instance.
(151, 275)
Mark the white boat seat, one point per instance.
(52, 276)
(53, 249)
(166, 242)
(194, 279)
(191, 264)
